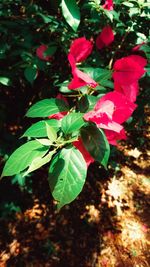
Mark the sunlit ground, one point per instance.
(123, 237)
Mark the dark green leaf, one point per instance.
(96, 143)
(67, 175)
(50, 51)
(87, 103)
(30, 73)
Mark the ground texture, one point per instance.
(106, 226)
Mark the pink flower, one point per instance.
(59, 115)
(79, 145)
(128, 70)
(116, 106)
(80, 49)
(40, 53)
(79, 77)
(105, 38)
(109, 113)
(130, 91)
(108, 5)
(113, 137)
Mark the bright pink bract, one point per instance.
(105, 37)
(80, 49)
(109, 113)
(79, 77)
(108, 5)
(128, 70)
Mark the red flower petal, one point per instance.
(40, 53)
(108, 5)
(113, 137)
(111, 111)
(130, 91)
(58, 116)
(81, 49)
(123, 108)
(79, 145)
(129, 69)
(105, 38)
(79, 77)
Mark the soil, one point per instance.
(106, 226)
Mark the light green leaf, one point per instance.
(47, 107)
(96, 143)
(64, 87)
(72, 122)
(128, 4)
(44, 141)
(39, 162)
(71, 13)
(22, 157)
(51, 133)
(67, 175)
(38, 129)
(109, 14)
(5, 81)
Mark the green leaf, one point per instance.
(44, 141)
(38, 129)
(5, 81)
(39, 162)
(50, 51)
(87, 103)
(100, 75)
(30, 73)
(109, 14)
(51, 133)
(71, 13)
(67, 175)
(72, 122)
(128, 4)
(47, 107)
(22, 157)
(64, 87)
(96, 143)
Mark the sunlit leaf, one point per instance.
(46, 107)
(67, 175)
(71, 13)
(22, 157)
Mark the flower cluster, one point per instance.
(79, 51)
(114, 108)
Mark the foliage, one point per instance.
(88, 101)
